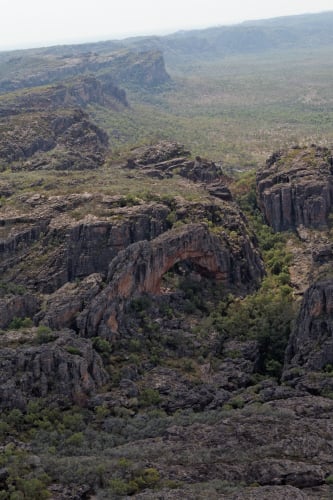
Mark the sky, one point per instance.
(35, 23)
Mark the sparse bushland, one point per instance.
(237, 109)
(195, 371)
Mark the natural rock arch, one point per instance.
(140, 268)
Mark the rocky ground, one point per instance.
(154, 345)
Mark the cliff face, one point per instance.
(143, 69)
(296, 188)
(309, 354)
(73, 249)
(311, 343)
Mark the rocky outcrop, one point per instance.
(46, 128)
(296, 188)
(139, 269)
(70, 249)
(310, 346)
(158, 153)
(277, 452)
(64, 139)
(166, 158)
(65, 368)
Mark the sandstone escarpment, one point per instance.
(296, 188)
(66, 249)
(139, 269)
(66, 368)
(73, 250)
(50, 252)
(143, 69)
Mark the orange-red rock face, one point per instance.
(140, 268)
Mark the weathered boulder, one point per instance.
(296, 188)
(65, 368)
(220, 191)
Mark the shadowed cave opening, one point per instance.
(186, 274)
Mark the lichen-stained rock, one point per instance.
(66, 368)
(140, 267)
(296, 188)
(310, 346)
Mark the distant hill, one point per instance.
(292, 32)
(312, 30)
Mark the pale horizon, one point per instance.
(37, 24)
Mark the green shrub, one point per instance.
(102, 346)
(149, 397)
(73, 350)
(32, 489)
(76, 440)
(44, 334)
(18, 323)
(121, 487)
